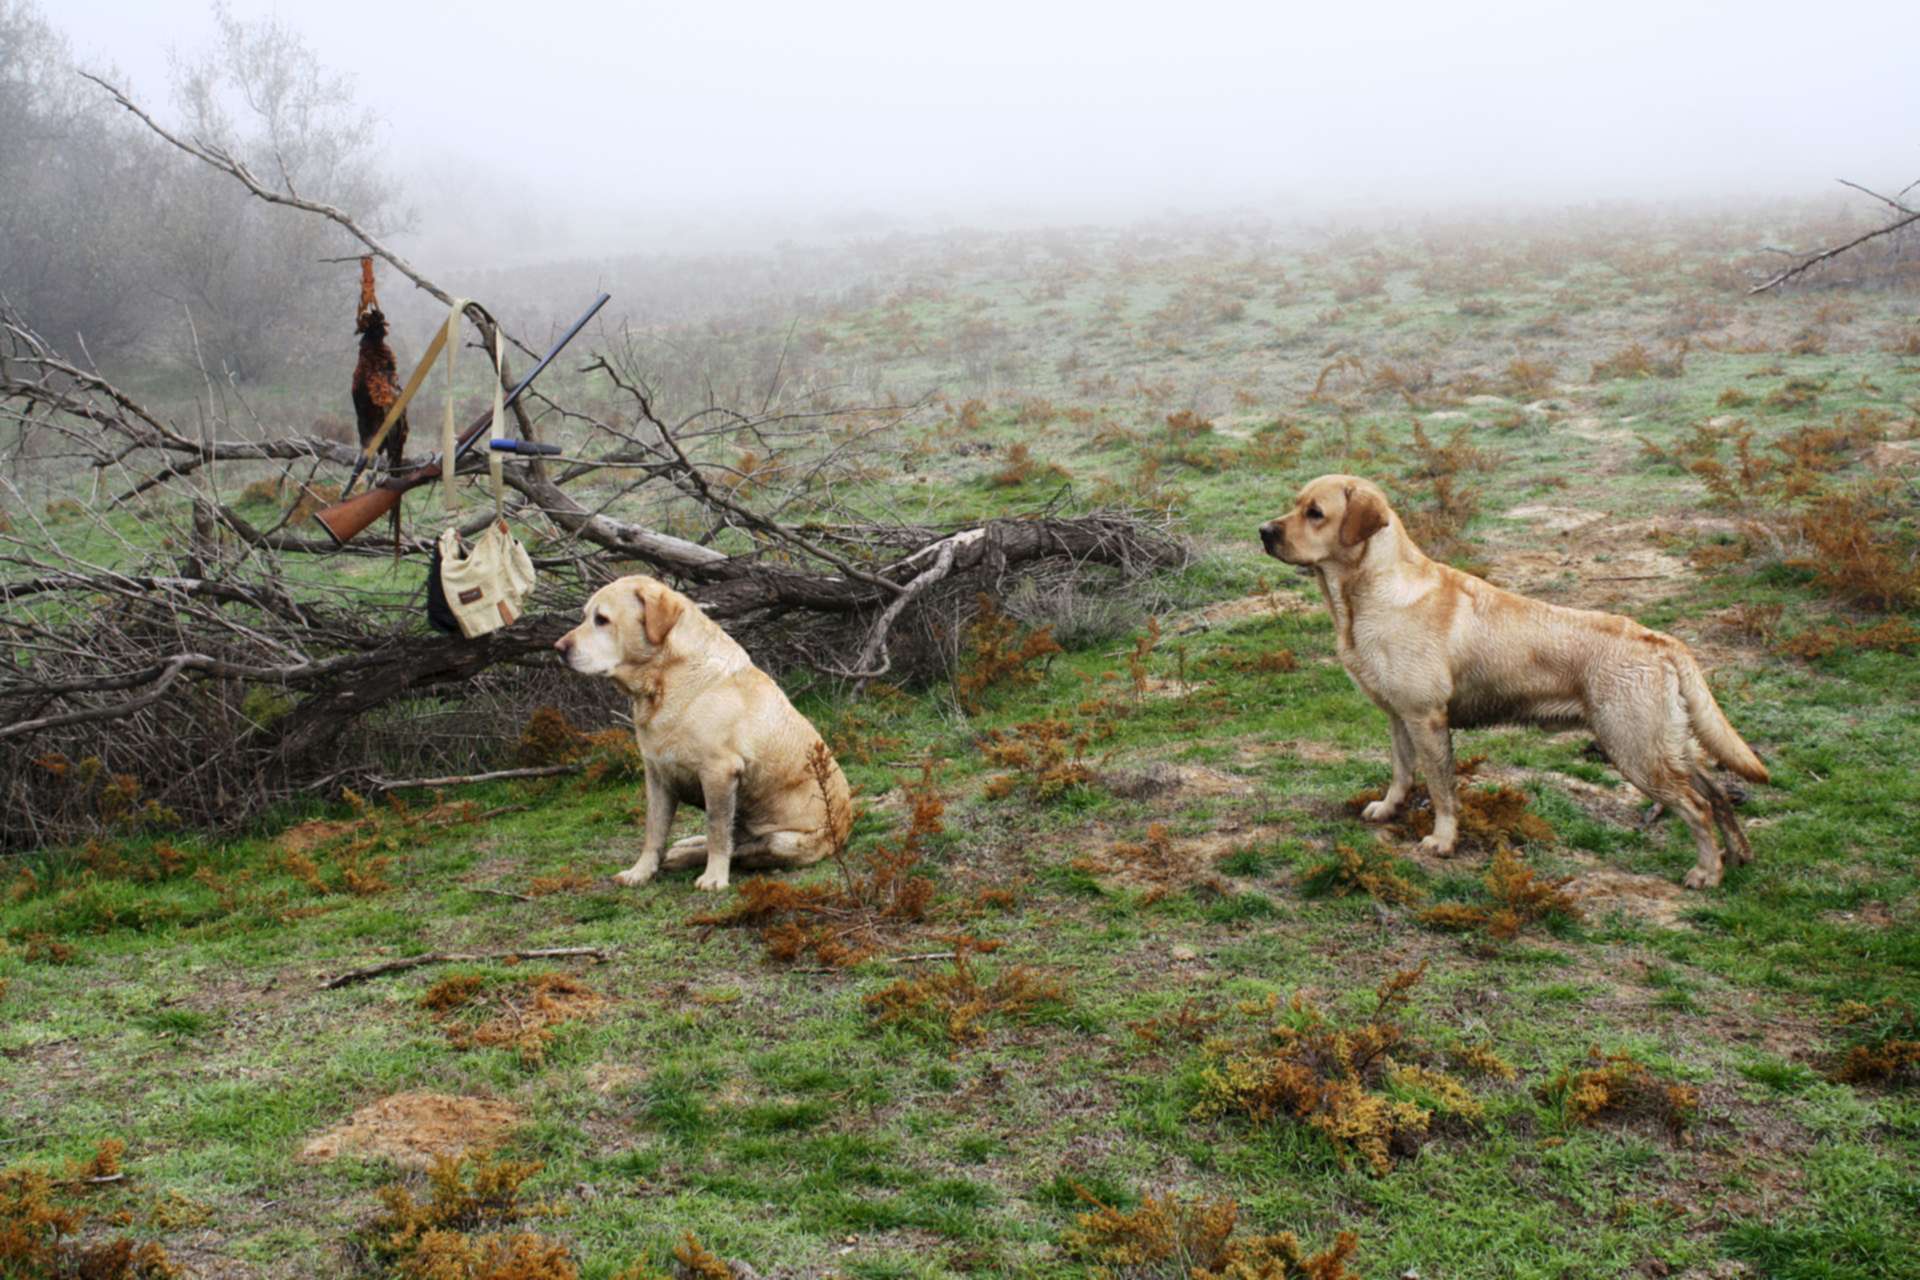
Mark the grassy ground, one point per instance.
(172, 1000)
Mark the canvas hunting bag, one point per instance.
(484, 585)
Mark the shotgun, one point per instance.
(344, 520)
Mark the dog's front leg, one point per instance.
(1432, 741)
(661, 803)
(1389, 805)
(720, 786)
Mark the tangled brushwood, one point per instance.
(43, 1217)
(1195, 1240)
(1618, 1086)
(158, 631)
(854, 914)
(1367, 1088)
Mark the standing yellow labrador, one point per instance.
(715, 731)
(1437, 649)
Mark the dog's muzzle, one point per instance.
(1270, 539)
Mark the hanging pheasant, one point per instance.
(375, 386)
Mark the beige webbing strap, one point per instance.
(413, 384)
(449, 437)
(494, 460)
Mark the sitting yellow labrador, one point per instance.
(1437, 649)
(715, 731)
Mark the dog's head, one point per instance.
(626, 624)
(1330, 523)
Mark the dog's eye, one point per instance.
(600, 620)
(1313, 512)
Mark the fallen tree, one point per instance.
(166, 654)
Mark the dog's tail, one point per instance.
(1710, 725)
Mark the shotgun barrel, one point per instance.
(344, 520)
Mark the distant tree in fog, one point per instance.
(76, 186)
(108, 236)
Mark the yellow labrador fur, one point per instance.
(1437, 649)
(715, 731)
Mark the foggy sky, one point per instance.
(616, 123)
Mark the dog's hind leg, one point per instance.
(778, 850)
(1724, 817)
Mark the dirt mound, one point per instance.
(412, 1129)
(1161, 778)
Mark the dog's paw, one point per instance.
(633, 877)
(1434, 846)
(1701, 878)
(1378, 811)
(711, 881)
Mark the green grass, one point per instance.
(761, 1108)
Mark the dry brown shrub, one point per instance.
(1195, 1240)
(520, 1015)
(860, 733)
(1529, 379)
(1518, 898)
(459, 1232)
(970, 416)
(955, 1003)
(1189, 1024)
(1489, 817)
(565, 880)
(1363, 1087)
(698, 1262)
(1619, 1086)
(41, 1219)
(1808, 342)
(550, 738)
(1892, 635)
(313, 497)
(1860, 553)
(1481, 1060)
(1368, 870)
(1000, 653)
(1885, 1043)
(844, 921)
(361, 848)
(1794, 394)
(1046, 758)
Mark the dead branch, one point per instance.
(1908, 217)
(457, 957)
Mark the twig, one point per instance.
(462, 779)
(456, 957)
(502, 893)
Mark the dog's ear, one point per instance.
(659, 610)
(1366, 516)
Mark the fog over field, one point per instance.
(526, 132)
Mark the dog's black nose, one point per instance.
(1269, 536)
